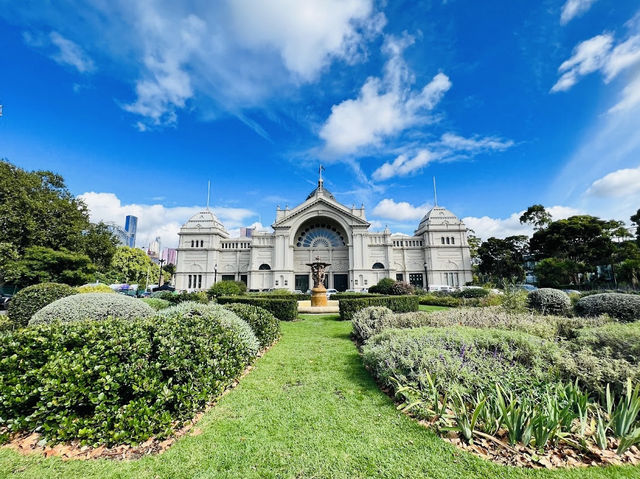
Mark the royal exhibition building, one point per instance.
(321, 227)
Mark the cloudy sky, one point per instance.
(507, 104)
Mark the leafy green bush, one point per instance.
(371, 320)
(215, 312)
(398, 304)
(115, 381)
(625, 307)
(94, 288)
(462, 360)
(265, 325)
(471, 293)
(400, 288)
(156, 303)
(384, 286)
(613, 340)
(440, 300)
(285, 309)
(93, 306)
(166, 295)
(26, 302)
(226, 288)
(549, 301)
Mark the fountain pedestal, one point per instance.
(319, 296)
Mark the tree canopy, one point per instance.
(503, 258)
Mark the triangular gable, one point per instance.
(309, 204)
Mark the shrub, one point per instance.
(400, 288)
(156, 303)
(383, 287)
(94, 288)
(398, 304)
(265, 325)
(371, 320)
(514, 300)
(215, 312)
(226, 288)
(285, 309)
(462, 359)
(166, 295)
(549, 301)
(26, 302)
(93, 306)
(115, 381)
(197, 296)
(625, 307)
(440, 300)
(613, 340)
(471, 293)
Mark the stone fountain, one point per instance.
(318, 292)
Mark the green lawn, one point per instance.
(426, 307)
(308, 409)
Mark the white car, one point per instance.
(331, 291)
(441, 287)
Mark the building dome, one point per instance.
(205, 220)
(438, 216)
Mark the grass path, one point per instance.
(308, 409)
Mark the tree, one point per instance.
(474, 243)
(100, 244)
(555, 272)
(226, 288)
(384, 286)
(43, 265)
(503, 258)
(537, 216)
(37, 209)
(132, 265)
(635, 220)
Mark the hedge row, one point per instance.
(285, 309)
(397, 304)
(115, 381)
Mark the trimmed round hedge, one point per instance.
(549, 301)
(371, 320)
(26, 302)
(624, 307)
(94, 288)
(215, 312)
(265, 325)
(93, 306)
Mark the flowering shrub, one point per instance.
(93, 306)
(549, 301)
(94, 288)
(26, 302)
(625, 307)
(265, 325)
(371, 320)
(400, 288)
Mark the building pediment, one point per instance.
(322, 205)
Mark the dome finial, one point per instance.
(320, 180)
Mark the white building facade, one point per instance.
(438, 253)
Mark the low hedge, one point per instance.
(265, 325)
(26, 302)
(285, 309)
(440, 300)
(624, 307)
(397, 304)
(115, 381)
(339, 296)
(94, 306)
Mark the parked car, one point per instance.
(331, 291)
(297, 291)
(441, 287)
(4, 301)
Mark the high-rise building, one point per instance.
(131, 226)
(122, 235)
(154, 247)
(170, 255)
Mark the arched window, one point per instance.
(202, 244)
(320, 236)
(378, 266)
(448, 240)
(442, 239)
(264, 267)
(453, 240)
(192, 243)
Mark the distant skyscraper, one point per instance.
(246, 232)
(131, 226)
(170, 255)
(154, 246)
(122, 235)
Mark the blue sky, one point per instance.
(508, 103)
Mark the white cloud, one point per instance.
(588, 56)
(61, 50)
(486, 227)
(449, 147)
(574, 8)
(231, 56)
(384, 107)
(621, 183)
(400, 211)
(156, 219)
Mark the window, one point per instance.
(416, 279)
(399, 277)
(448, 240)
(199, 281)
(320, 236)
(453, 240)
(189, 281)
(192, 243)
(264, 267)
(378, 266)
(442, 239)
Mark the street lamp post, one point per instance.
(161, 261)
(426, 276)
(215, 273)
